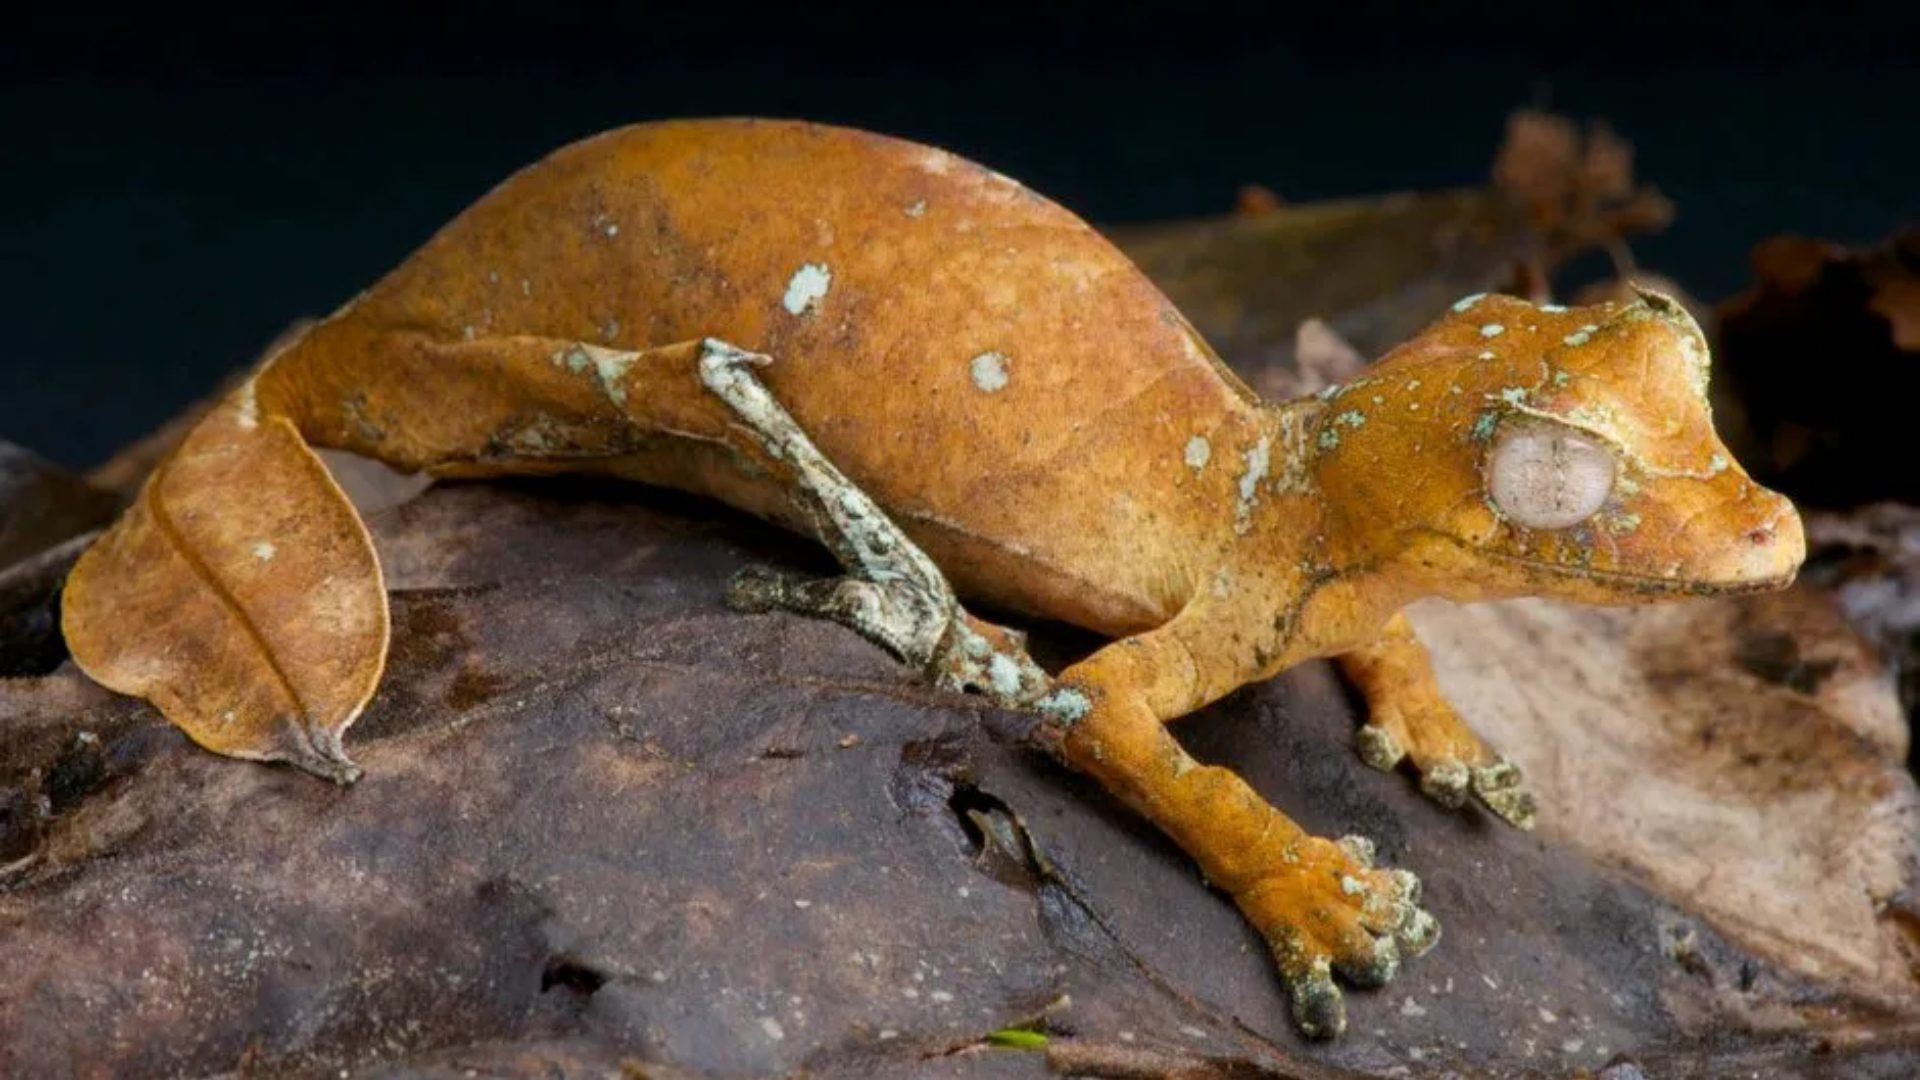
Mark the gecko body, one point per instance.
(964, 390)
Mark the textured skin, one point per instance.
(1027, 407)
(1042, 494)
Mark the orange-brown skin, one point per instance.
(1026, 406)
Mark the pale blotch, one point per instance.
(264, 551)
(1259, 459)
(807, 288)
(1488, 355)
(1492, 330)
(1065, 705)
(610, 365)
(1004, 674)
(612, 368)
(937, 162)
(1581, 336)
(916, 208)
(1199, 452)
(989, 371)
(1554, 308)
(1466, 303)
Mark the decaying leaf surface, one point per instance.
(240, 594)
(606, 822)
(1577, 187)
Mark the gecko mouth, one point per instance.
(1644, 584)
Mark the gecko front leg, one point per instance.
(1410, 719)
(893, 593)
(1322, 905)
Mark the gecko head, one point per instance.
(1514, 450)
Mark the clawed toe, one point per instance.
(1319, 1008)
(1499, 788)
(1332, 911)
(756, 590)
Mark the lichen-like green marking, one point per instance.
(1065, 704)
(1717, 464)
(1623, 523)
(1199, 452)
(1514, 395)
(1329, 438)
(1329, 392)
(1466, 302)
(1004, 674)
(1484, 425)
(807, 288)
(1561, 378)
(989, 371)
(1352, 418)
(1492, 330)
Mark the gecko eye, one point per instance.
(1546, 476)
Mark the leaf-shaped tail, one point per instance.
(240, 594)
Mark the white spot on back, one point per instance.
(1199, 452)
(989, 371)
(1466, 303)
(807, 288)
(264, 551)
(1258, 461)
(916, 208)
(1492, 329)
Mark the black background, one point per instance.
(174, 191)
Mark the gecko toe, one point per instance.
(755, 590)
(1499, 787)
(1358, 848)
(1371, 962)
(1319, 1008)
(1447, 783)
(1419, 933)
(1378, 748)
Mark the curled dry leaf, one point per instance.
(240, 594)
(1578, 189)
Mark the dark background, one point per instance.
(173, 193)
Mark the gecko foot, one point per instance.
(1454, 767)
(1328, 910)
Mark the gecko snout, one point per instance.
(1763, 548)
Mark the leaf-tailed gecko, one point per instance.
(963, 390)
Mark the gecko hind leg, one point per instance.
(893, 594)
